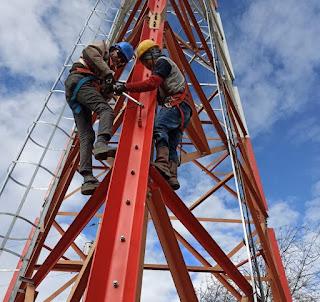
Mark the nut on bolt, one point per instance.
(115, 283)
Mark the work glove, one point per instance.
(119, 88)
(110, 79)
(109, 82)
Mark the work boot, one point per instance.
(173, 181)
(101, 151)
(90, 183)
(162, 161)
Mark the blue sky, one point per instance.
(281, 37)
(274, 46)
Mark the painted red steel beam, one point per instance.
(277, 258)
(15, 276)
(82, 284)
(198, 30)
(250, 186)
(116, 269)
(232, 108)
(82, 219)
(48, 248)
(184, 23)
(188, 23)
(170, 247)
(179, 209)
(254, 167)
(67, 173)
(135, 35)
(210, 98)
(129, 20)
(265, 245)
(194, 129)
(219, 161)
(173, 44)
(73, 245)
(220, 277)
(211, 191)
(247, 152)
(249, 177)
(211, 174)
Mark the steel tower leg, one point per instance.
(115, 273)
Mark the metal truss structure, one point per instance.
(133, 204)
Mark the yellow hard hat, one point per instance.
(144, 46)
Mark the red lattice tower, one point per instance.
(133, 200)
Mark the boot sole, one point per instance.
(88, 189)
(175, 187)
(104, 153)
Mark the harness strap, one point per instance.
(74, 104)
(182, 118)
(83, 70)
(176, 100)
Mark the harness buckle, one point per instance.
(167, 105)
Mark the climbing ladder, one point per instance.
(215, 224)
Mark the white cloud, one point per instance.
(31, 50)
(306, 130)
(315, 191)
(276, 56)
(313, 206)
(282, 213)
(35, 40)
(17, 114)
(313, 210)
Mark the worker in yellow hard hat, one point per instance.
(175, 112)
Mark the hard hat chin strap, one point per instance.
(152, 54)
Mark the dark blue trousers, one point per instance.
(167, 128)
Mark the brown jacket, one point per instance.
(96, 57)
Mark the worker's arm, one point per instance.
(147, 85)
(161, 71)
(95, 55)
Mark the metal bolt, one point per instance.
(128, 202)
(133, 172)
(115, 283)
(122, 238)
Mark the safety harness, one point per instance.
(74, 104)
(175, 101)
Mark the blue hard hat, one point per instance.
(126, 49)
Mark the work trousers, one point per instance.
(167, 128)
(90, 100)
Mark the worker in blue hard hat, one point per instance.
(88, 89)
